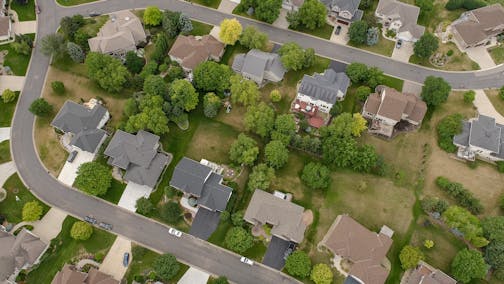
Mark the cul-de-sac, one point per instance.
(252, 141)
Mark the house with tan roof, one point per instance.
(123, 32)
(365, 250)
(400, 18)
(387, 107)
(423, 273)
(479, 26)
(285, 217)
(190, 51)
(18, 253)
(69, 275)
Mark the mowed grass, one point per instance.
(497, 54)
(200, 29)
(495, 99)
(115, 191)
(209, 3)
(73, 2)
(64, 249)
(323, 32)
(459, 61)
(5, 154)
(383, 47)
(25, 12)
(7, 111)
(17, 62)
(13, 208)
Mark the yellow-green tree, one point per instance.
(321, 274)
(152, 16)
(230, 31)
(359, 124)
(81, 231)
(32, 211)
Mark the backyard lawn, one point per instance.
(17, 62)
(497, 54)
(11, 207)
(25, 12)
(73, 2)
(7, 112)
(64, 249)
(5, 155)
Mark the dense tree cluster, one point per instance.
(469, 225)
(359, 73)
(252, 38)
(260, 119)
(468, 265)
(298, 264)
(311, 15)
(244, 150)
(166, 266)
(108, 72)
(294, 57)
(261, 177)
(238, 239)
(210, 76)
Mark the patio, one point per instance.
(314, 117)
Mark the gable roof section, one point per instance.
(193, 50)
(259, 65)
(426, 274)
(324, 86)
(69, 275)
(485, 133)
(74, 117)
(285, 216)
(215, 195)
(343, 5)
(392, 104)
(408, 14)
(190, 176)
(476, 25)
(88, 140)
(147, 175)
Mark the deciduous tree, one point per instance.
(410, 256)
(171, 212)
(93, 178)
(276, 154)
(81, 231)
(448, 127)
(166, 266)
(107, 71)
(58, 87)
(461, 219)
(40, 107)
(244, 150)
(357, 72)
(469, 96)
(134, 63)
(243, 91)
(362, 93)
(211, 105)
(238, 240)
(144, 206)
(321, 274)
(152, 16)
(230, 31)
(312, 14)
(293, 57)
(260, 119)
(8, 96)
(298, 264)
(358, 32)
(182, 91)
(261, 177)
(426, 45)
(435, 91)
(53, 45)
(365, 159)
(253, 38)
(31, 211)
(285, 128)
(316, 176)
(468, 265)
(268, 10)
(210, 76)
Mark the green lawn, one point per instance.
(322, 32)
(393, 82)
(257, 251)
(12, 208)
(383, 47)
(497, 54)
(5, 155)
(73, 2)
(495, 99)
(200, 29)
(209, 3)
(231, 51)
(217, 238)
(64, 249)
(17, 62)
(7, 111)
(458, 61)
(114, 192)
(25, 12)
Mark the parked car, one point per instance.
(126, 259)
(338, 30)
(72, 156)
(37, 9)
(246, 260)
(90, 220)
(175, 232)
(105, 226)
(398, 43)
(94, 14)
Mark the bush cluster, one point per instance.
(433, 205)
(466, 4)
(463, 196)
(448, 127)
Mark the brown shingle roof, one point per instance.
(426, 274)
(192, 50)
(480, 23)
(392, 104)
(68, 275)
(372, 103)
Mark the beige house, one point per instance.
(190, 51)
(477, 27)
(285, 217)
(426, 274)
(364, 249)
(387, 107)
(69, 275)
(18, 253)
(400, 18)
(123, 32)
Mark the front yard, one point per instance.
(7, 112)
(458, 61)
(73, 2)
(495, 99)
(25, 12)
(5, 155)
(17, 62)
(497, 54)
(383, 47)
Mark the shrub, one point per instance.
(463, 196)
(469, 96)
(99, 256)
(316, 176)
(428, 244)
(275, 96)
(298, 264)
(433, 204)
(448, 127)
(40, 107)
(410, 256)
(170, 212)
(8, 96)
(58, 87)
(450, 52)
(238, 240)
(81, 231)
(32, 211)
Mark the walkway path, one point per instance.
(4, 133)
(484, 106)
(25, 27)
(49, 226)
(83, 262)
(6, 170)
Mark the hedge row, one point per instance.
(463, 196)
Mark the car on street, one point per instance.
(338, 30)
(398, 43)
(246, 260)
(126, 259)
(90, 220)
(105, 226)
(94, 14)
(175, 232)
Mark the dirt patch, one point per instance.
(308, 217)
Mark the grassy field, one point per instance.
(5, 155)
(497, 54)
(93, 25)
(65, 249)
(7, 112)
(383, 47)
(10, 207)
(73, 2)
(209, 3)
(17, 62)
(200, 29)
(497, 102)
(457, 62)
(25, 12)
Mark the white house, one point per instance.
(400, 18)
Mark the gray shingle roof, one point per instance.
(196, 179)
(485, 134)
(325, 86)
(75, 118)
(259, 65)
(88, 140)
(463, 137)
(343, 5)
(138, 155)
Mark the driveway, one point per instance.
(412, 88)
(281, 21)
(131, 194)
(338, 66)
(25, 27)
(69, 171)
(14, 83)
(194, 276)
(485, 107)
(49, 226)
(274, 256)
(6, 170)
(404, 53)
(342, 38)
(227, 6)
(204, 224)
(4, 133)
(481, 56)
(113, 262)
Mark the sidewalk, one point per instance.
(25, 27)
(4, 133)
(15, 83)
(485, 107)
(49, 226)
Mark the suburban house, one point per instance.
(391, 110)
(479, 26)
(285, 217)
(83, 124)
(259, 66)
(190, 51)
(138, 155)
(366, 251)
(6, 34)
(202, 183)
(18, 253)
(400, 18)
(481, 137)
(69, 275)
(318, 93)
(426, 274)
(343, 11)
(123, 32)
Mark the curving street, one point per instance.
(148, 232)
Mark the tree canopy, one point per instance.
(170, 212)
(426, 45)
(211, 105)
(134, 63)
(166, 266)
(276, 154)
(81, 231)
(9, 96)
(40, 107)
(243, 91)
(260, 119)
(410, 256)
(210, 76)
(298, 264)
(32, 211)
(152, 16)
(252, 38)
(154, 85)
(53, 45)
(93, 178)
(468, 265)
(230, 31)
(261, 177)
(182, 91)
(244, 150)
(358, 32)
(312, 14)
(284, 129)
(268, 10)
(435, 91)
(151, 117)
(448, 127)
(144, 206)
(316, 176)
(461, 219)
(293, 56)
(238, 239)
(107, 71)
(321, 274)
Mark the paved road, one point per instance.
(147, 232)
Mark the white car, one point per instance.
(175, 232)
(246, 260)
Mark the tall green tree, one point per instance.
(81, 231)
(339, 151)
(211, 105)
(261, 177)
(358, 32)
(316, 176)
(365, 159)
(268, 10)
(210, 76)
(53, 45)
(435, 91)
(238, 240)
(153, 119)
(184, 92)
(40, 107)
(253, 38)
(166, 266)
(357, 72)
(154, 85)
(468, 265)
(293, 56)
(170, 212)
(298, 264)
(244, 150)
(276, 154)
(107, 71)
(144, 206)
(260, 119)
(312, 14)
(243, 91)
(134, 63)
(285, 128)
(426, 45)
(93, 178)
(493, 228)
(410, 256)
(461, 219)
(448, 127)
(152, 16)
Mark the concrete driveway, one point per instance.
(69, 171)
(403, 54)
(342, 38)
(6, 170)
(412, 88)
(4, 133)
(131, 194)
(15, 83)
(281, 21)
(194, 276)
(274, 256)
(227, 6)
(485, 107)
(113, 262)
(25, 27)
(49, 226)
(481, 56)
